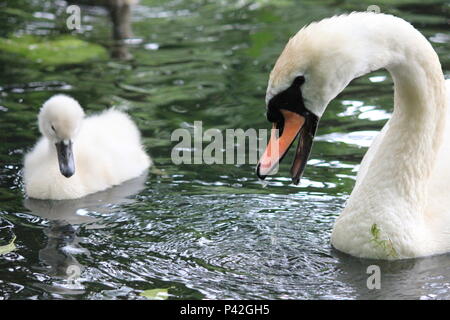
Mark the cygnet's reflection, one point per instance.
(65, 216)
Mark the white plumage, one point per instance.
(107, 151)
(400, 206)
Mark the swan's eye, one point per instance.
(53, 128)
(290, 99)
(298, 81)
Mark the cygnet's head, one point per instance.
(60, 120)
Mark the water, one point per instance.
(196, 231)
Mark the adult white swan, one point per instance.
(77, 156)
(400, 205)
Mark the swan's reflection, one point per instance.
(65, 216)
(120, 15)
(420, 278)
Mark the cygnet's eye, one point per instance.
(53, 128)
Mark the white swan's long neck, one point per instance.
(402, 162)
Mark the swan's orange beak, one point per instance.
(293, 125)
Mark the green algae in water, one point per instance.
(156, 294)
(8, 248)
(57, 51)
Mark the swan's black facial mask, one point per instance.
(65, 158)
(287, 112)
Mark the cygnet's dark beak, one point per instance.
(65, 158)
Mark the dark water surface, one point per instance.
(192, 231)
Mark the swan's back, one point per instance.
(114, 140)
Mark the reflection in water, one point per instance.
(62, 246)
(423, 278)
(120, 15)
(64, 218)
(204, 231)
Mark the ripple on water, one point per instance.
(197, 231)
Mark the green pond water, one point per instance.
(192, 231)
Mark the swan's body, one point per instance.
(407, 198)
(400, 205)
(106, 150)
